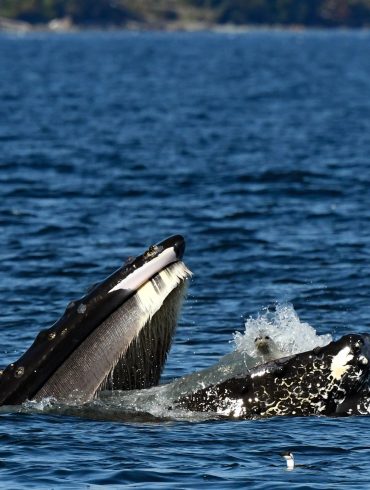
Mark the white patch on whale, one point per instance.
(339, 364)
(234, 407)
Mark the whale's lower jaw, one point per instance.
(332, 380)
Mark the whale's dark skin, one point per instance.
(23, 379)
(332, 380)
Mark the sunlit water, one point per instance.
(255, 147)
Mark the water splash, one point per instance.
(287, 336)
(282, 325)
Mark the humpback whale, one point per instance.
(330, 380)
(116, 338)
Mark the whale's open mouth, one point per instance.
(117, 336)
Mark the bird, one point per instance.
(289, 458)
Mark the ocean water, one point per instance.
(256, 148)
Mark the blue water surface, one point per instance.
(253, 146)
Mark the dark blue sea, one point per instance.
(256, 148)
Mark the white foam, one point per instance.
(41, 405)
(284, 327)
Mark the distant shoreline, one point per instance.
(66, 26)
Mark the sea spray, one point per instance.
(283, 326)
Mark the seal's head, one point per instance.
(264, 344)
(266, 348)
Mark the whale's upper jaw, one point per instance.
(137, 270)
(28, 377)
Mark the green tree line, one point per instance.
(80, 11)
(352, 13)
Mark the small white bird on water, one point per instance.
(289, 458)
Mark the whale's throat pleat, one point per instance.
(128, 350)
